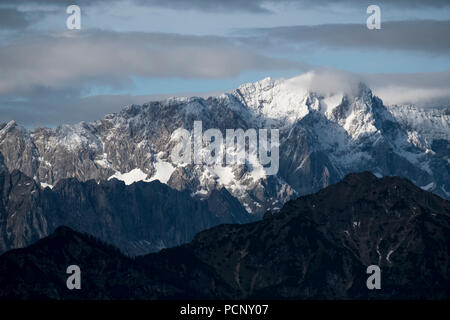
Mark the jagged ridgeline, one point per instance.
(139, 218)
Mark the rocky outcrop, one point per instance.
(139, 218)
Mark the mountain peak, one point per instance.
(289, 100)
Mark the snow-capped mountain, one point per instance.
(324, 135)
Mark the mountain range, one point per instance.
(317, 247)
(323, 137)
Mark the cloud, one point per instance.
(12, 19)
(252, 6)
(392, 3)
(326, 81)
(426, 89)
(419, 35)
(108, 58)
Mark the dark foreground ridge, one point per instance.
(317, 247)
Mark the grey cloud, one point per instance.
(12, 19)
(253, 6)
(418, 35)
(261, 6)
(393, 3)
(425, 89)
(108, 58)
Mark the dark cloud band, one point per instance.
(253, 6)
(12, 19)
(110, 58)
(427, 36)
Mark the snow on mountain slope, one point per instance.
(324, 134)
(283, 102)
(429, 124)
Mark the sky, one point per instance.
(134, 51)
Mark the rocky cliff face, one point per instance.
(139, 218)
(323, 137)
(317, 247)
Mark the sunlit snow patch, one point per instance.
(163, 171)
(133, 176)
(45, 185)
(429, 186)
